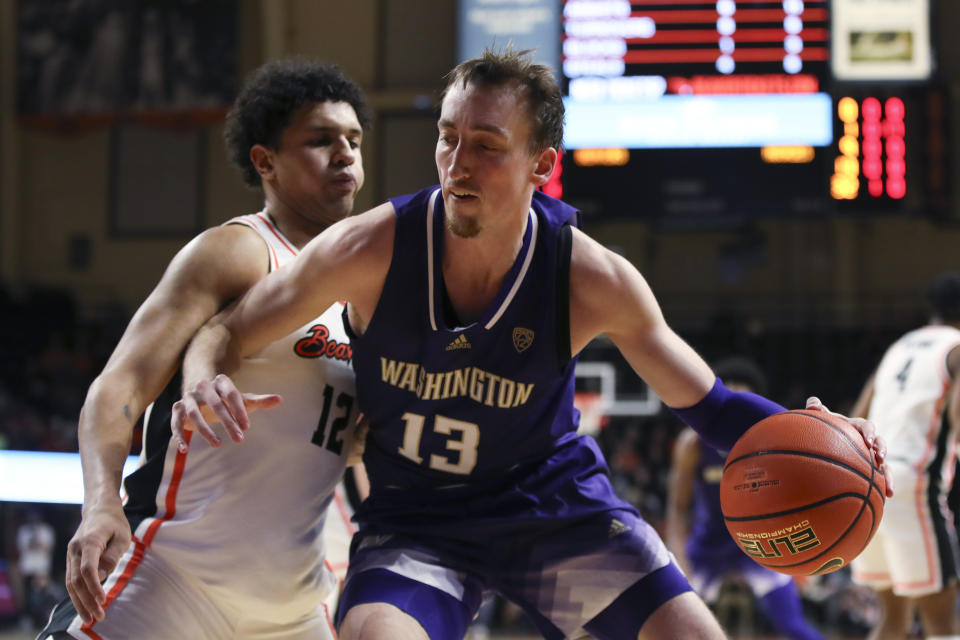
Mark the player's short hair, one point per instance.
(517, 67)
(270, 97)
(738, 369)
(943, 296)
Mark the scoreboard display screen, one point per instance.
(680, 74)
(683, 111)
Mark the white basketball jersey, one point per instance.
(247, 517)
(909, 397)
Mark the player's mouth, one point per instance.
(345, 183)
(462, 196)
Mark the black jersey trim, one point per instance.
(61, 618)
(345, 316)
(143, 484)
(943, 529)
(564, 249)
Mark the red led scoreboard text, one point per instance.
(872, 149)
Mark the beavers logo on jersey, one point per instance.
(522, 339)
(320, 344)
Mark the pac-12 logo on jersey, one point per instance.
(522, 339)
(320, 344)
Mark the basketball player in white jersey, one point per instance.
(226, 539)
(914, 399)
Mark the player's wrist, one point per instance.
(722, 416)
(101, 500)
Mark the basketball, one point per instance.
(801, 493)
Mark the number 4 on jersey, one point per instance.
(902, 376)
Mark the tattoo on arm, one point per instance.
(126, 413)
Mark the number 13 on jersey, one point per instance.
(462, 442)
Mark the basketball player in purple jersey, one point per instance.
(187, 556)
(696, 532)
(468, 303)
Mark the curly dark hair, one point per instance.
(739, 369)
(517, 67)
(943, 296)
(272, 94)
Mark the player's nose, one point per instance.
(457, 166)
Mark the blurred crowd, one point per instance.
(50, 356)
(52, 353)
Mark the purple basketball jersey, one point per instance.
(458, 413)
(709, 539)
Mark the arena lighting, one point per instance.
(845, 181)
(791, 154)
(692, 121)
(894, 130)
(44, 476)
(615, 157)
(873, 146)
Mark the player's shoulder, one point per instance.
(231, 257)
(362, 234)
(595, 267)
(556, 213)
(227, 243)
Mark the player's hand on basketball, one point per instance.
(869, 432)
(216, 400)
(92, 553)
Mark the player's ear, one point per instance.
(546, 161)
(262, 159)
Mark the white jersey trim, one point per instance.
(527, 260)
(271, 235)
(430, 207)
(532, 221)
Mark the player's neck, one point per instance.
(937, 321)
(474, 268)
(294, 227)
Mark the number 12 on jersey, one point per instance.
(463, 440)
(334, 441)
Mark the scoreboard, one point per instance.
(680, 74)
(686, 110)
(619, 38)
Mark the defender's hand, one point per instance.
(93, 552)
(216, 400)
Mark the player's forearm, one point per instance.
(676, 535)
(105, 431)
(676, 525)
(211, 351)
(677, 532)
